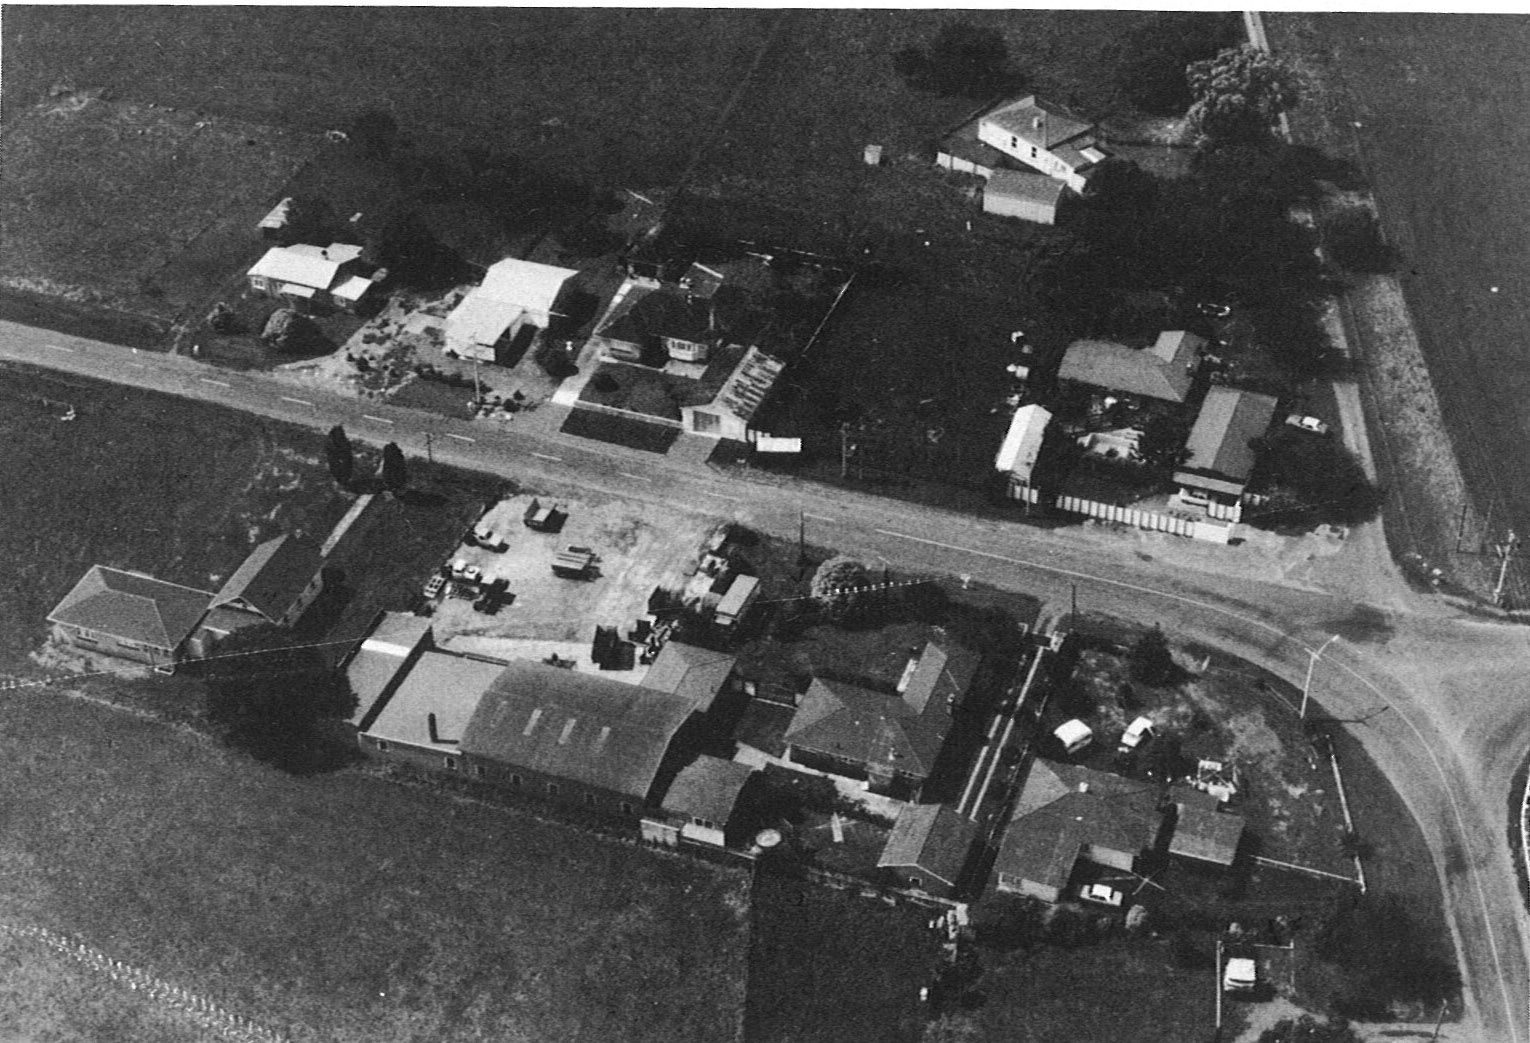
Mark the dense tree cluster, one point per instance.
(964, 60)
(1387, 957)
(1241, 93)
(1150, 67)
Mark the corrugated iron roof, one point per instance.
(130, 606)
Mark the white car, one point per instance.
(1241, 975)
(1101, 895)
(1136, 732)
(1308, 423)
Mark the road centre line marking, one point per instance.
(60, 347)
(297, 401)
(460, 438)
(822, 518)
(377, 419)
(721, 496)
(210, 380)
(638, 477)
(139, 365)
(544, 456)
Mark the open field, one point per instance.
(134, 207)
(1394, 87)
(178, 490)
(831, 967)
(344, 908)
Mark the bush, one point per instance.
(835, 586)
(1150, 69)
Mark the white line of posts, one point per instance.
(1312, 658)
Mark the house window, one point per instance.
(552, 789)
(478, 770)
(589, 800)
(1014, 142)
(914, 881)
(87, 639)
(451, 763)
(703, 822)
(383, 746)
(705, 421)
(515, 780)
(626, 808)
(1033, 151)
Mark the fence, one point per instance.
(200, 1009)
(1191, 528)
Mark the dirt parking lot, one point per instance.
(638, 548)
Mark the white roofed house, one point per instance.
(314, 278)
(1020, 134)
(514, 294)
(1017, 457)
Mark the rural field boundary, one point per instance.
(205, 1012)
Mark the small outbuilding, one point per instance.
(928, 848)
(1030, 197)
(1202, 830)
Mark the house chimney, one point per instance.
(1083, 787)
(435, 734)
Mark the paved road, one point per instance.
(1449, 740)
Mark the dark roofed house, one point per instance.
(1162, 371)
(1221, 453)
(890, 741)
(703, 795)
(275, 584)
(574, 738)
(130, 615)
(1065, 813)
(694, 673)
(1203, 831)
(928, 847)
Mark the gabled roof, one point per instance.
(1064, 808)
(746, 388)
(1033, 188)
(1023, 442)
(510, 287)
(272, 577)
(693, 673)
(1202, 831)
(930, 837)
(880, 731)
(1178, 348)
(1037, 123)
(707, 788)
(940, 676)
(1228, 422)
(130, 606)
(576, 726)
(440, 683)
(1116, 367)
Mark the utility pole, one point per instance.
(1506, 551)
(1073, 618)
(1312, 658)
(801, 538)
(430, 455)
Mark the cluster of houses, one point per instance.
(1219, 459)
(134, 616)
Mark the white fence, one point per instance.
(1191, 528)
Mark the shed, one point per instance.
(1030, 197)
(692, 672)
(737, 600)
(704, 794)
(1203, 831)
(1022, 445)
(928, 847)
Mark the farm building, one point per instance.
(1221, 447)
(1030, 197)
(313, 278)
(376, 666)
(1202, 831)
(703, 795)
(928, 848)
(130, 616)
(890, 741)
(1025, 132)
(1162, 371)
(1022, 444)
(1066, 813)
(514, 294)
(691, 672)
(275, 584)
(573, 738)
(424, 720)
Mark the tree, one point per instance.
(1162, 445)
(1314, 477)
(1241, 93)
(395, 472)
(1120, 184)
(1353, 240)
(270, 697)
(1150, 67)
(413, 254)
(288, 331)
(1308, 1029)
(1386, 956)
(340, 456)
(835, 584)
(1151, 661)
(965, 60)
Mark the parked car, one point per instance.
(1240, 975)
(1074, 735)
(462, 570)
(1308, 423)
(1214, 309)
(1101, 895)
(489, 539)
(1136, 732)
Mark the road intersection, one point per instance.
(1453, 734)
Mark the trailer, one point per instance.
(545, 517)
(573, 562)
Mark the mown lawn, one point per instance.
(345, 908)
(140, 481)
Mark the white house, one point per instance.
(513, 294)
(1044, 137)
(312, 276)
(728, 414)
